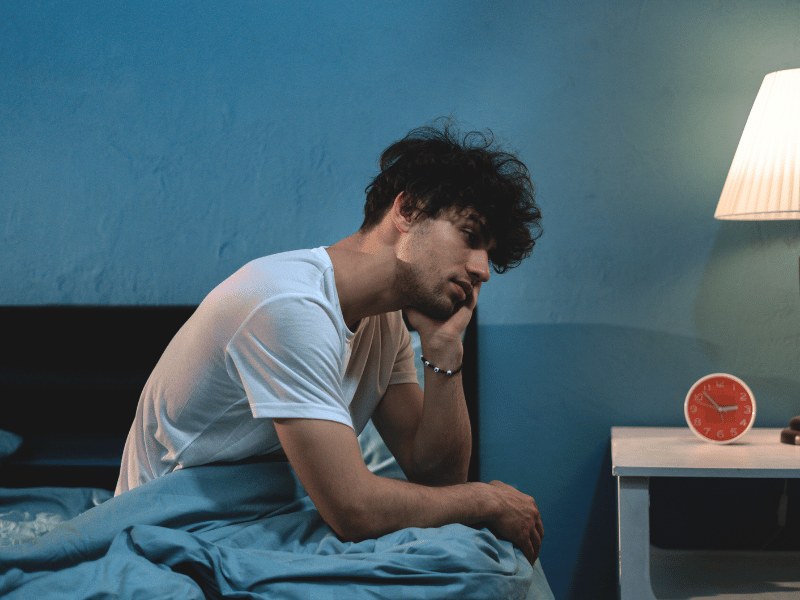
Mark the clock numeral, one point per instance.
(707, 429)
(698, 397)
(743, 422)
(698, 422)
(693, 408)
(748, 409)
(734, 431)
(742, 397)
(720, 435)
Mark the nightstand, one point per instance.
(649, 573)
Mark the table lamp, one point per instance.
(764, 179)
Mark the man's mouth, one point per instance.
(466, 288)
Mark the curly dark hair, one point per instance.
(439, 169)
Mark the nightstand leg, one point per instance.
(633, 497)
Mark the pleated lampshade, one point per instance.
(764, 179)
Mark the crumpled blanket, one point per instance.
(26, 514)
(239, 531)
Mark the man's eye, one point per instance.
(471, 237)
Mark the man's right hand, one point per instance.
(517, 520)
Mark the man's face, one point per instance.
(445, 260)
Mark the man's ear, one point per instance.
(402, 217)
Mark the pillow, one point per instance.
(9, 443)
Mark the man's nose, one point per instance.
(478, 266)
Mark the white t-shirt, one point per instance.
(268, 342)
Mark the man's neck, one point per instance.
(365, 271)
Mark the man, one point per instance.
(291, 355)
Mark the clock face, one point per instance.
(720, 408)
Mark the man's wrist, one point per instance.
(446, 357)
(485, 500)
(430, 365)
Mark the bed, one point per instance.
(71, 376)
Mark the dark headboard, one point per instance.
(470, 378)
(70, 380)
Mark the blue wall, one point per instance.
(148, 149)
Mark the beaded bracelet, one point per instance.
(437, 369)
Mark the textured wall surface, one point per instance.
(149, 149)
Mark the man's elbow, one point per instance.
(352, 521)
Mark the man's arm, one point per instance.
(359, 505)
(428, 434)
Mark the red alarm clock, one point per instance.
(720, 408)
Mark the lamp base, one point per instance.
(792, 434)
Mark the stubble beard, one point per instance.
(420, 295)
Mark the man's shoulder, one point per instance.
(297, 271)
(292, 262)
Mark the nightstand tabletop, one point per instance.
(677, 452)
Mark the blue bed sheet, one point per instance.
(241, 531)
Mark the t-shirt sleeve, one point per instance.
(287, 356)
(404, 369)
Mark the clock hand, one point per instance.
(727, 408)
(706, 404)
(712, 400)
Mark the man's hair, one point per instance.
(439, 169)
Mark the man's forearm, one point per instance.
(388, 505)
(443, 441)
